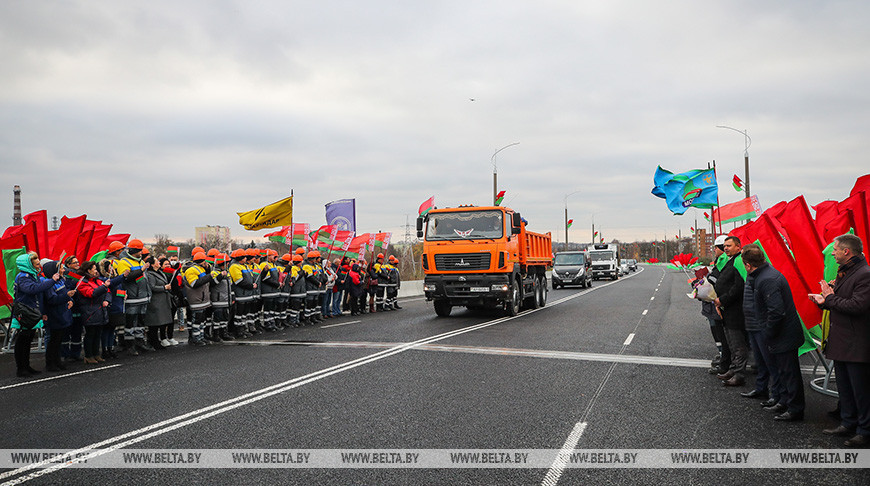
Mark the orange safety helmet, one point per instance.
(380, 256)
(198, 256)
(393, 259)
(297, 258)
(300, 250)
(115, 246)
(287, 257)
(213, 252)
(252, 252)
(313, 254)
(146, 251)
(238, 253)
(135, 244)
(197, 249)
(221, 258)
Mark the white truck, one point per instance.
(605, 260)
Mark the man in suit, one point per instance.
(776, 314)
(729, 288)
(849, 338)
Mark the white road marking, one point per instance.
(65, 375)
(342, 324)
(645, 311)
(652, 298)
(628, 339)
(561, 461)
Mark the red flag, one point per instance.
(841, 224)
(825, 211)
(122, 237)
(40, 221)
(67, 235)
(806, 244)
(28, 231)
(858, 204)
(781, 259)
(862, 184)
(83, 243)
(426, 206)
(98, 241)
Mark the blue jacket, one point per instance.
(28, 288)
(57, 301)
(775, 310)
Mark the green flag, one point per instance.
(8, 272)
(99, 256)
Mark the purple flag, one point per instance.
(342, 213)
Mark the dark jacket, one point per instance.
(29, 288)
(90, 296)
(729, 289)
(849, 337)
(57, 301)
(749, 319)
(708, 309)
(159, 311)
(775, 310)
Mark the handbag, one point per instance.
(26, 316)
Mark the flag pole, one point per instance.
(713, 214)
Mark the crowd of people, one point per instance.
(758, 313)
(131, 301)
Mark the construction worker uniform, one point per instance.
(296, 277)
(269, 281)
(282, 320)
(220, 294)
(197, 281)
(380, 273)
(243, 289)
(312, 292)
(138, 294)
(391, 301)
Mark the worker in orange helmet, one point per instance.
(296, 277)
(138, 294)
(314, 281)
(393, 283)
(197, 282)
(243, 288)
(270, 280)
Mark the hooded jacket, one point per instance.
(57, 301)
(28, 288)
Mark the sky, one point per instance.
(161, 116)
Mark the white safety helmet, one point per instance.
(720, 240)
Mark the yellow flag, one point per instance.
(276, 214)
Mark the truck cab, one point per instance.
(482, 257)
(605, 260)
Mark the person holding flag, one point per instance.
(138, 293)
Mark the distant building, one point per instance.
(203, 234)
(704, 240)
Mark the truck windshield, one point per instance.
(570, 259)
(465, 225)
(601, 256)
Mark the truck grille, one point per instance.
(463, 262)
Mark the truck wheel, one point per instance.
(512, 306)
(542, 293)
(442, 308)
(534, 301)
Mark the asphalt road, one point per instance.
(621, 365)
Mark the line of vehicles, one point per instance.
(484, 257)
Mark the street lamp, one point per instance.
(747, 142)
(566, 217)
(494, 177)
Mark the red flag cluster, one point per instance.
(653, 260)
(794, 241)
(684, 259)
(77, 236)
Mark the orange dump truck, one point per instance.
(483, 257)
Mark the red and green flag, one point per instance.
(707, 216)
(499, 197)
(295, 234)
(427, 206)
(742, 210)
(8, 271)
(570, 222)
(737, 184)
(172, 250)
(382, 240)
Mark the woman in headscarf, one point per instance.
(58, 309)
(27, 308)
(159, 311)
(93, 299)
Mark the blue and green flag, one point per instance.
(696, 188)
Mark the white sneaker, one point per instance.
(173, 342)
(165, 343)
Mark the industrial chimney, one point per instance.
(16, 212)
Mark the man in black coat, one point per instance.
(767, 382)
(849, 338)
(775, 312)
(729, 289)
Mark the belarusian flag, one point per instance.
(570, 222)
(595, 234)
(692, 229)
(172, 250)
(746, 208)
(295, 234)
(427, 206)
(382, 240)
(707, 216)
(499, 197)
(737, 183)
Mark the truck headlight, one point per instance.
(499, 288)
(429, 287)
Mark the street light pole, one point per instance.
(566, 217)
(747, 141)
(494, 171)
